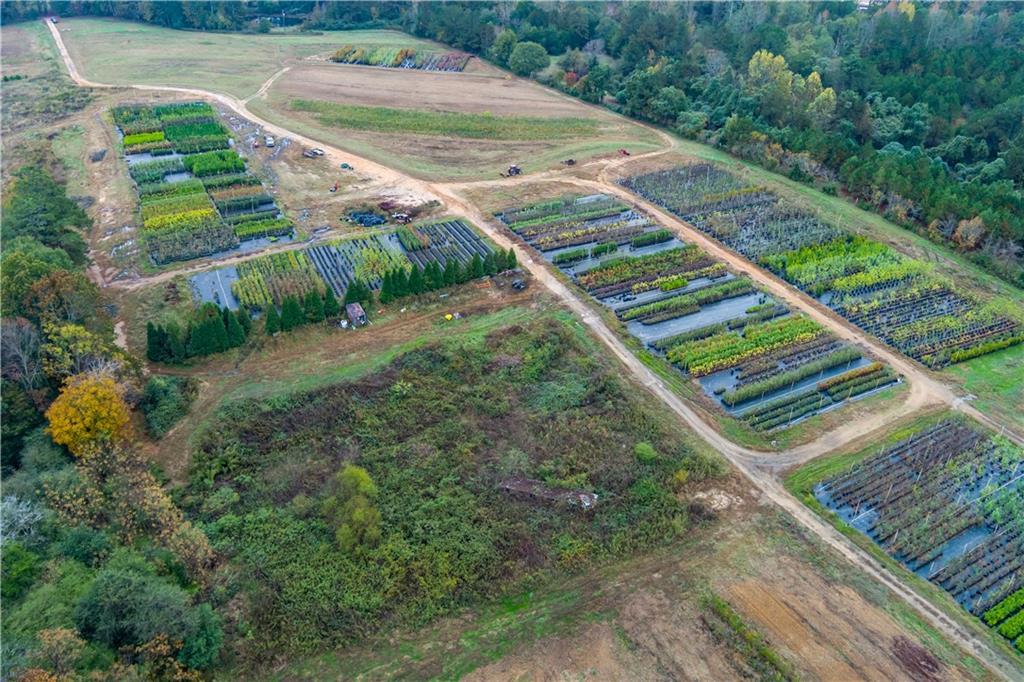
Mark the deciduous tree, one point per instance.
(90, 412)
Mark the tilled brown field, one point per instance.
(487, 91)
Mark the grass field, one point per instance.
(121, 52)
(477, 126)
(997, 381)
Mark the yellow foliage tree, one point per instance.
(89, 412)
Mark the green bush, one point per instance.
(645, 453)
(19, 569)
(128, 604)
(165, 400)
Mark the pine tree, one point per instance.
(510, 259)
(451, 272)
(400, 283)
(272, 324)
(236, 335)
(385, 288)
(291, 313)
(219, 333)
(243, 319)
(490, 267)
(357, 292)
(153, 349)
(176, 349)
(314, 306)
(331, 307)
(436, 275)
(416, 280)
(477, 266)
(198, 340)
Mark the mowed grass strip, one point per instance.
(441, 123)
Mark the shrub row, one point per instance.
(268, 227)
(213, 163)
(780, 381)
(154, 171)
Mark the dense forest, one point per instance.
(915, 111)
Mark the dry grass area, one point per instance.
(122, 52)
(434, 156)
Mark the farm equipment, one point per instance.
(623, 152)
(518, 284)
(513, 170)
(401, 218)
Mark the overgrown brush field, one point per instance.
(947, 501)
(443, 123)
(400, 497)
(217, 205)
(885, 293)
(757, 361)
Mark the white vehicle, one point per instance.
(269, 141)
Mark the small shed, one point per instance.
(356, 314)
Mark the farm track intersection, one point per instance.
(758, 467)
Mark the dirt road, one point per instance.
(758, 467)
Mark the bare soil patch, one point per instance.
(832, 631)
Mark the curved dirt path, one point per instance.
(758, 467)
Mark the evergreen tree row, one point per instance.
(212, 330)
(401, 282)
(313, 308)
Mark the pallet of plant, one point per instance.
(653, 237)
(243, 204)
(448, 240)
(160, 190)
(213, 163)
(688, 303)
(268, 279)
(267, 227)
(802, 372)
(153, 206)
(727, 349)
(154, 171)
(170, 245)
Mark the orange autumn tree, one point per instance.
(89, 411)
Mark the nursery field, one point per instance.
(121, 52)
(446, 250)
(947, 501)
(751, 356)
(401, 58)
(196, 197)
(896, 298)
